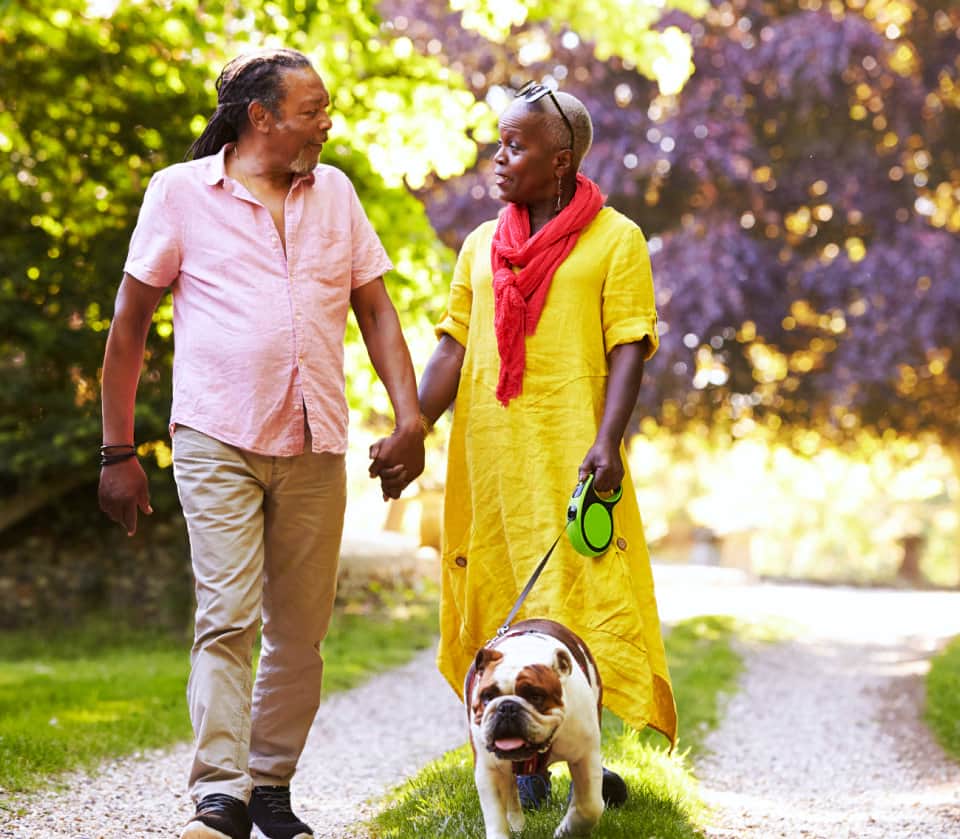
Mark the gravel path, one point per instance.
(363, 743)
(823, 741)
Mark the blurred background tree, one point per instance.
(801, 196)
(793, 164)
(94, 98)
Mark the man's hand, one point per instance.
(397, 460)
(123, 490)
(604, 463)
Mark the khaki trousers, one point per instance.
(264, 541)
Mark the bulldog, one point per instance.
(534, 694)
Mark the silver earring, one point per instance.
(559, 192)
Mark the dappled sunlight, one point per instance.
(809, 612)
(103, 712)
(837, 513)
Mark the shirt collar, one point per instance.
(216, 169)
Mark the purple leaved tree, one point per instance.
(801, 196)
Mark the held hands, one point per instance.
(603, 461)
(123, 490)
(397, 460)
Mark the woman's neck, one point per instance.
(542, 212)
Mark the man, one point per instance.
(264, 250)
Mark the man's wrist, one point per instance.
(416, 425)
(112, 453)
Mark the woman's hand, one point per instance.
(603, 461)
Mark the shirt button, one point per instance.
(461, 561)
(622, 543)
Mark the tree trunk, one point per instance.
(909, 569)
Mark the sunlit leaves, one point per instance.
(95, 97)
(621, 28)
(804, 181)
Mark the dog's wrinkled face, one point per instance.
(518, 707)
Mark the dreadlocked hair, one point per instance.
(256, 77)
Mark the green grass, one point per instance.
(943, 698)
(72, 699)
(442, 801)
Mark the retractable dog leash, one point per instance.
(590, 518)
(589, 527)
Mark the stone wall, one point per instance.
(68, 561)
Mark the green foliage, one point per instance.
(943, 698)
(442, 801)
(69, 700)
(92, 104)
(620, 28)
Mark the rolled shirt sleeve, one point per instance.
(455, 321)
(156, 247)
(629, 312)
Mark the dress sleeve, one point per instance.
(629, 309)
(156, 250)
(455, 321)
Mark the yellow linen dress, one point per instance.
(511, 471)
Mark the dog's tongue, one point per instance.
(508, 744)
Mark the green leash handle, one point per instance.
(590, 518)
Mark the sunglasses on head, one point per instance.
(533, 92)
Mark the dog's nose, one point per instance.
(509, 709)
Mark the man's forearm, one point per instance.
(121, 375)
(123, 358)
(391, 360)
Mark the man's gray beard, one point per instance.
(304, 164)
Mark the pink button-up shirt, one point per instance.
(258, 332)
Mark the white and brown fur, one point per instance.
(537, 684)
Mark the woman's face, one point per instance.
(525, 164)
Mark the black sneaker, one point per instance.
(219, 816)
(613, 791)
(272, 817)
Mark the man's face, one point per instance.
(301, 130)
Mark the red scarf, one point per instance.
(519, 297)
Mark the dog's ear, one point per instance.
(485, 658)
(562, 663)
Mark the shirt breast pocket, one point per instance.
(326, 263)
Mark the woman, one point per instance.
(550, 318)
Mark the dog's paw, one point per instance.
(516, 819)
(574, 824)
